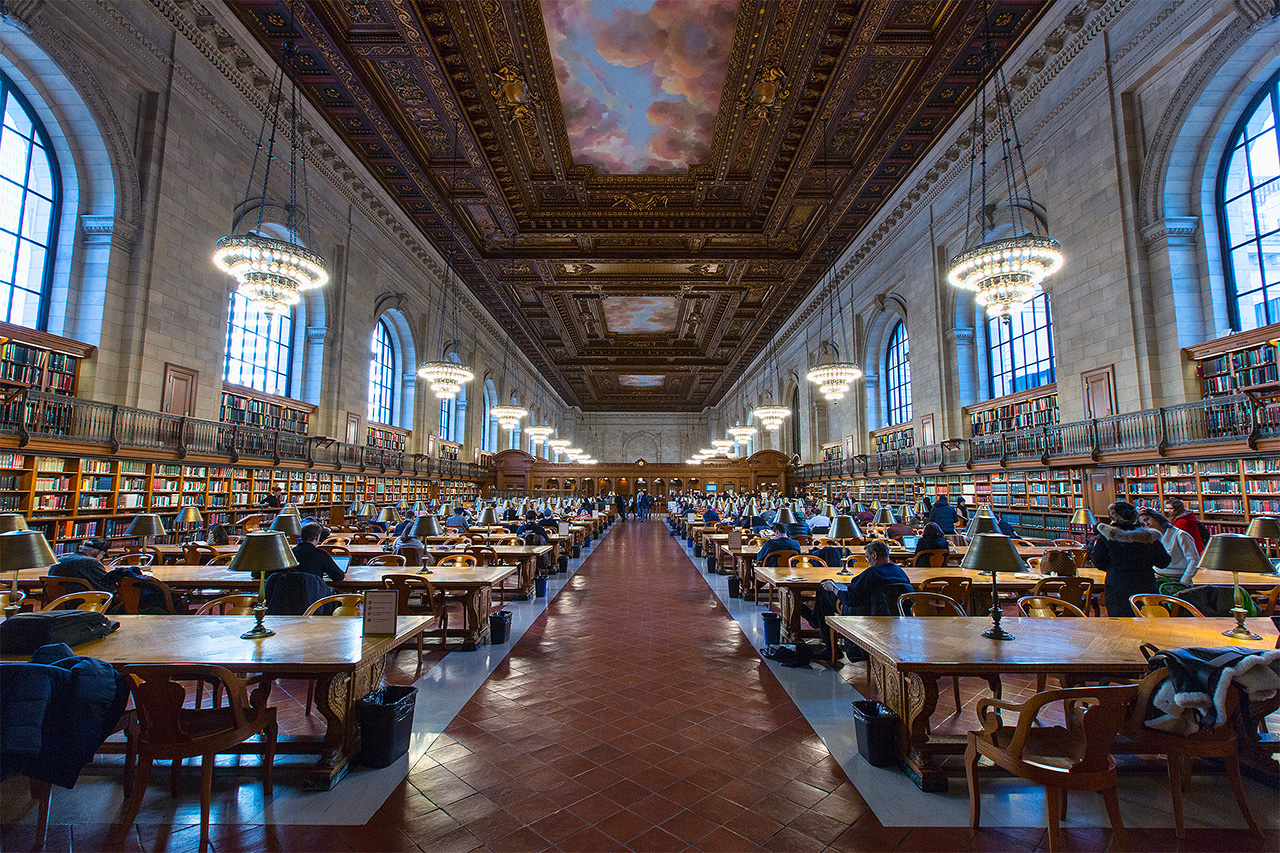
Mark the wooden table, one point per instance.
(525, 556)
(329, 649)
(909, 655)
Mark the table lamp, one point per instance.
(354, 509)
(289, 525)
(261, 553)
(884, 516)
(23, 549)
(144, 526)
(906, 512)
(10, 521)
(425, 525)
(1266, 528)
(858, 508)
(291, 509)
(828, 510)
(1083, 518)
(419, 507)
(753, 510)
(981, 524)
(922, 510)
(488, 517)
(387, 516)
(994, 553)
(189, 518)
(785, 516)
(1232, 552)
(844, 529)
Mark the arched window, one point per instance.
(1020, 349)
(30, 206)
(1249, 213)
(897, 371)
(795, 421)
(382, 375)
(259, 348)
(489, 432)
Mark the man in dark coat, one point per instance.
(311, 559)
(1130, 554)
(86, 564)
(944, 515)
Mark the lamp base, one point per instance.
(995, 632)
(1240, 632)
(257, 632)
(12, 610)
(425, 571)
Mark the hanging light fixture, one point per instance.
(445, 377)
(557, 445)
(539, 433)
(1005, 273)
(770, 416)
(742, 434)
(273, 273)
(722, 445)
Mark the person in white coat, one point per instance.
(1183, 554)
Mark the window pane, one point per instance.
(36, 219)
(1271, 260)
(1252, 310)
(898, 376)
(1021, 349)
(259, 348)
(15, 116)
(13, 157)
(1262, 118)
(24, 280)
(10, 206)
(1263, 164)
(381, 375)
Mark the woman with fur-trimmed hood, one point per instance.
(1129, 553)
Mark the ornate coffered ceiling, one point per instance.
(602, 278)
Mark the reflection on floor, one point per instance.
(633, 714)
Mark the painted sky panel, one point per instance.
(640, 315)
(640, 80)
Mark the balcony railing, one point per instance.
(1217, 420)
(40, 415)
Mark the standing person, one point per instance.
(1185, 519)
(621, 503)
(273, 499)
(962, 510)
(1183, 554)
(944, 515)
(1130, 554)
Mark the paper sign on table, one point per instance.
(564, 528)
(380, 611)
(735, 539)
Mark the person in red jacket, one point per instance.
(1185, 519)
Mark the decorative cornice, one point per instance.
(1174, 229)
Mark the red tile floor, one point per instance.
(633, 715)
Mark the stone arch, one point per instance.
(892, 309)
(406, 350)
(641, 445)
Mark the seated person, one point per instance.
(799, 527)
(403, 527)
(403, 541)
(457, 519)
(898, 529)
(931, 539)
(711, 516)
(311, 559)
(532, 524)
(510, 513)
(819, 523)
(218, 535)
(86, 564)
(780, 542)
(1006, 528)
(857, 598)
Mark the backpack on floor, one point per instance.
(799, 655)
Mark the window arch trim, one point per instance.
(897, 373)
(382, 374)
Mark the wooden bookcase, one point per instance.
(40, 360)
(448, 450)
(1024, 410)
(241, 405)
(833, 451)
(898, 437)
(386, 437)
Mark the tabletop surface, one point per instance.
(778, 575)
(313, 643)
(1093, 644)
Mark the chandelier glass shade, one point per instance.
(271, 274)
(445, 378)
(834, 377)
(1006, 274)
(771, 417)
(538, 434)
(742, 434)
(509, 417)
(558, 444)
(723, 445)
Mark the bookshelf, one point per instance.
(241, 405)
(449, 450)
(894, 438)
(1243, 363)
(386, 437)
(1224, 493)
(833, 451)
(40, 360)
(1024, 410)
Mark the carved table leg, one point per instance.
(789, 604)
(336, 695)
(471, 617)
(914, 698)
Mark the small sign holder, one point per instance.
(381, 610)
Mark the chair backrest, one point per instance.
(55, 587)
(159, 696)
(407, 586)
(347, 604)
(1153, 606)
(1093, 715)
(198, 555)
(1074, 590)
(365, 539)
(823, 542)
(1047, 605)
(510, 539)
(222, 560)
(884, 601)
(806, 561)
(1265, 600)
(857, 561)
(779, 558)
(458, 560)
(229, 605)
(387, 560)
(91, 599)
(291, 593)
(1066, 543)
(138, 558)
(1024, 543)
(1061, 563)
(454, 541)
(335, 550)
(958, 588)
(484, 554)
(131, 590)
(932, 558)
(928, 604)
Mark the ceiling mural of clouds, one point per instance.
(640, 315)
(641, 380)
(640, 80)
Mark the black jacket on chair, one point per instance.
(291, 593)
(1129, 554)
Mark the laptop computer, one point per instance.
(342, 562)
(910, 542)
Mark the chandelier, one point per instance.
(834, 377)
(1004, 273)
(538, 434)
(742, 434)
(445, 377)
(273, 273)
(557, 445)
(509, 417)
(722, 445)
(771, 417)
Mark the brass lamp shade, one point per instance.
(1231, 552)
(354, 509)
(905, 512)
(829, 511)
(425, 525)
(992, 552)
(1084, 518)
(419, 507)
(366, 511)
(753, 509)
(387, 515)
(884, 515)
(291, 509)
(25, 549)
(1261, 527)
(983, 510)
(858, 509)
(844, 527)
(785, 516)
(290, 525)
(190, 515)
(146, 524)
(263, 552)
(980, 524)
(488, 516)
(921, 509)
(10, 521)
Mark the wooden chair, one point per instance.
(806, 561)
(335, 550)
(55, 587)
(222, 560)
(419, 597)
(137, 558)
(142, 550)
(250, 523)
(365, 539)
(856, 561)
(169, 731)
(485, 555)
(1153, 606)
(931, 558)
(1076, 757)
(1077, 591)
(510, 539)
(1024, 543)
(458, 560)
(1066, 543)
(348, 604)
(955, 587)
(386, 560)
(457, 542)
(933, 604)
(1221, 741)
(129, 594)
(198, 555)
(779, 558)
(1265, 600)
(824, 542)
(90, 599)
(1047, 606)
(229, 605)
(337, 540)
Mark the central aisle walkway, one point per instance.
(632, 714)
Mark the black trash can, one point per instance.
(386, 722)
(711, 564)
(735, 587)
(563, 564)
(876, 728)
(499, 627)
(772, 628)
(540, 586)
